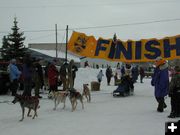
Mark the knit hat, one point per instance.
(13, 61)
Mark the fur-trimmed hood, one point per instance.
(164, 66)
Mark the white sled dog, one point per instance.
(59, 97)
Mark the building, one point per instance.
(49, 55)
(62, 48)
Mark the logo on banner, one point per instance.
(80, 44)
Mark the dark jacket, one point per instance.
(27, 73)
(38, 69)
(63, 70)
(109, 72)
(141, 72)
(175, 83)
(160, 81)
(74, 70)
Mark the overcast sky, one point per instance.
(130, 19)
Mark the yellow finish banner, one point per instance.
(126, 51)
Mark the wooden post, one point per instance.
(56, 40)
(66, 41)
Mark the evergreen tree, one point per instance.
(13, 46)
(5, 48)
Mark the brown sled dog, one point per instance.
(86, 92)
(74, 95)
(30, 102)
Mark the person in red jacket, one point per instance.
(52, 76)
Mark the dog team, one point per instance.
(32, 74)
(32, 102)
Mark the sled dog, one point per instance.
(74, 96)
(30, 102)
(59, 97)
(86, 92)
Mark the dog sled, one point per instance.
(125, 87)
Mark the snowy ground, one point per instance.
(105, 115)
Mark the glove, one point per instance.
(152, 83)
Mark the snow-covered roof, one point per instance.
(52, 53)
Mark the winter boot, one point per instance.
(172, 115)
(160, 106)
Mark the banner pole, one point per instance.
(66, 41)
(56, 40)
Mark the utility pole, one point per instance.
(56, 40)
(66, 41)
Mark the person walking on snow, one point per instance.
(160, 81)
(99, 76)
(142, 74)
(109, 74)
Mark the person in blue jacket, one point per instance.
(14, 75)
(160, 81)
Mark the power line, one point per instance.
(100, 27)
(126, 24)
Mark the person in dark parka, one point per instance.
(174, 93)
(72, 69)
(63, 75)
(38, 77)
(160, 81)
(135, 74)
(27, 75)
(142, 74)
(109, 74)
